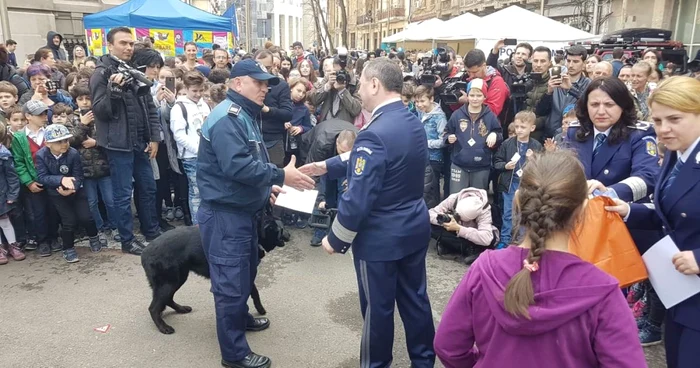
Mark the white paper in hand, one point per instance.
(297, 200)
(672, 286)
(515, 158)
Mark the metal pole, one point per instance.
(542, 7)
(5, 20)
(596, 5)
(248, 27)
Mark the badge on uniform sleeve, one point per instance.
(63, 169)
(463, 123)
(360, 165)
(651, 148)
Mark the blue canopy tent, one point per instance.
(170, 22)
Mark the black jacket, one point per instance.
(279, 100)
(58, 53)
(505, 152)
(319, 143)
(123, 120)
(9, 74)
(52, 170)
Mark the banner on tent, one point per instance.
(169, 42)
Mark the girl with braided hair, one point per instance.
(536, 305)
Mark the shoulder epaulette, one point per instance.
(574, 124)
(234, 109)
(641, 125)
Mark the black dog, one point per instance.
(169, 259)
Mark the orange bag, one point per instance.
(603, 239)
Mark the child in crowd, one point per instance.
(15, 119)
(61, 173)
(8, 97)
(62, 113)
(474, 131)
(43, 228)
(312, 109)
(434, 122)
(217, 93)
(515, 301)
(97, 183)
(407, 94)
(559, 140)
(661, 150)
(511, 130)
(186, 119)
(9, 195)
(510, 161)
(301, 119)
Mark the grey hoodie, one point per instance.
(58, 52)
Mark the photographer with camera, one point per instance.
(128, 128)
(515, 73)
(43, 88)
(462, 223)
(336, 98)
(565, 87)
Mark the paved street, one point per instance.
(49, 310)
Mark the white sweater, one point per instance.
(186, 138)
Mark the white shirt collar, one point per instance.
(391, 100)
(57, 157)
(685, 155)
(596, 131)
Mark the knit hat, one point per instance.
(468, 208)
(479, 84)
(56, 133)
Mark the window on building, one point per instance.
(688, 26)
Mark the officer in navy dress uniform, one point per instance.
(385, 219)
(675, 107)
(236, 180)
(618, 153)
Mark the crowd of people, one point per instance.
(83, 138)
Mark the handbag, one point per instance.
(602, 239)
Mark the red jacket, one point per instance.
(497, 92)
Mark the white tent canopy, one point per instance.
(421, 32)
(508, 23)
(462, 27)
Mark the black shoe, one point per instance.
(134, 247)
(251, 361)
(259, 324)
(44, 249)
(55, 246)
(152, 237)
(165, 226)
(31, 245)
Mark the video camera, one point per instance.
(450, 94)
(133, 78)
(342, 76)
(433, 67)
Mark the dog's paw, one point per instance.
(166, 329)
(184, 309)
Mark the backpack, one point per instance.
(187, 125)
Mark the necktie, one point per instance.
(671, 178)
(599, 140)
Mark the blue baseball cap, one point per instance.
(253, 69)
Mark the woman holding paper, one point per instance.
(675, 111)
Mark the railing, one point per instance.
(394, 12)
(364, 19)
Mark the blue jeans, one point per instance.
(94, 188)
(190, 166)
(507, 227)
(124, 166)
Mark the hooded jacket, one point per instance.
(9, 74)
(479, 231)
(185, 129)
(477, 156)
(580, 317)
(58, 52)
(9, 186)
(434, 123)
(498, 91)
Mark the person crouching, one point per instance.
(463, 222)
(60, 171)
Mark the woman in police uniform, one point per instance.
(675, 107)
(617, 152)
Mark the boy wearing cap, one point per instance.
(25, 145)
(300, 54)
(60, 171)
(474, 132)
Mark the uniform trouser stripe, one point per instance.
(365, 359)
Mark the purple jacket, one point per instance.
(580, 317)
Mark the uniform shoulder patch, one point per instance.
(641, 125)
(360, 162)
(234, 109)
(651, 147)
(364, 149)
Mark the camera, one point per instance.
(342, 76)
(522, 85)
(133, 78)
(51, 86)
(442, 218)
(434, 66)
(451, 92)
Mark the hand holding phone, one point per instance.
(510, 42)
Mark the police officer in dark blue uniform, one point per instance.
(617, 152)
(236, 180)
(385, 219)
(675, 107)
